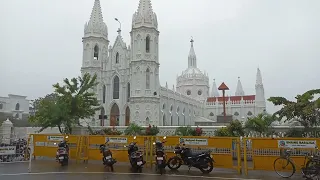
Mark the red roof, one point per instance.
(223, 86)
(232, 98)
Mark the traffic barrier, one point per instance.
(45, 145)
(264, 151)
(225, 150)
(14, 149)
(117, 146)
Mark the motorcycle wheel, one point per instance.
(111, 168)
(174, 161)
(161, 169)
(139, 170)
(208, 169)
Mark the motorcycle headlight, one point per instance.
(211, 156)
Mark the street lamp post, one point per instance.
(119, 29)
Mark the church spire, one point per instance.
(192, 58)
(259, 88)
(259, 77)
(96, 26)
(214, 91)
(239, 91)
(144, 17)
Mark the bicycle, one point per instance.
(308, 170)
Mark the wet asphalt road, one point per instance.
(50, 170)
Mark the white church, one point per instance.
(129, 89)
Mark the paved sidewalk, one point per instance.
(50, 170)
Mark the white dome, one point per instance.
(193, 72)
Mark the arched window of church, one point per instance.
(96, 52)
(17, 106)
(147, 121)
(148, 44)
(1, 106)
(116, 87)
(104, 94)
(117, 58)
(148, 78)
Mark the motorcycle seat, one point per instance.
(194, 154)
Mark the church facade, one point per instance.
(129, 88)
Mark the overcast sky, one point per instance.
(41, 41)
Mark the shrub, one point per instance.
(151, 130)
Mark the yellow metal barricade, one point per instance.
(260, 153)
(45, 145)
(225, 151)
(116, 145)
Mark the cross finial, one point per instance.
(191, 41)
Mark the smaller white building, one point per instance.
(14, 105)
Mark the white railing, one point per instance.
(280, 131)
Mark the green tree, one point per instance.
(36, 103)
(260, 123)
(73, 101)
(50, 112)
(78, 94)
(305, 109)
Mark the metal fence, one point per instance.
(14, 149)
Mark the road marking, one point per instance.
(144, 174)
(13, 162)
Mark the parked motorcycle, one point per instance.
(160, 156)
(184, 156)
(107, 158)
(62, 155)
(135, 156)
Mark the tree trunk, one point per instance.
(59, 127)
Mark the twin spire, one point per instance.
(144, 17)
(96, 26)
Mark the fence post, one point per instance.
(31, 153)
(152, 139)
(245, 155)
(239, 155)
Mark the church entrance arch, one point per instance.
(114, 115)
(127, 116)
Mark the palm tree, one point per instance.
(133, 129)
(260, 123)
